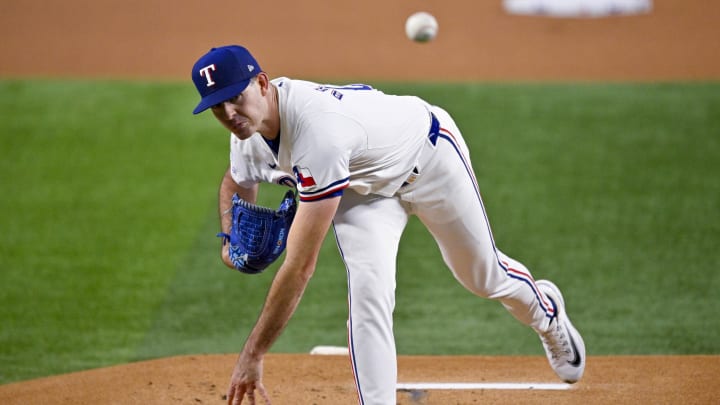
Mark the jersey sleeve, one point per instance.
(252, 162)
(321, 164)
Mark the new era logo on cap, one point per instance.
(222, 74)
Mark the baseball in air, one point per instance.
(421, 27)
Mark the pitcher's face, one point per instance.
(243, 114)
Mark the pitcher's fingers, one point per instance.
(235, 395)
(264, 394)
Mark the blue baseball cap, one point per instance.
(223, 73)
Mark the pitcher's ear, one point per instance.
(263, 82)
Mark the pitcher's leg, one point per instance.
(368, 232)
(487, 272)
(515, 296)
(447, 200)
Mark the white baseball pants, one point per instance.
(446, 198)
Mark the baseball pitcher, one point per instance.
(363, 162)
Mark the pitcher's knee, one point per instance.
(486, 280)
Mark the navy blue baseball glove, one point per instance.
(258, 234)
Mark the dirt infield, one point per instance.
(354, 40)
(326, 380)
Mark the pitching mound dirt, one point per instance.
(306, 379)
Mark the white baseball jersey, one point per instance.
(252, 161)
(334, 137)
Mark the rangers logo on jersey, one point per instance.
(304, 177)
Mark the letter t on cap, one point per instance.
(205, 72)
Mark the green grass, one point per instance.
(107, 224)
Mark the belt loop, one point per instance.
(412, 177)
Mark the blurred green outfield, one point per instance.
(107, 224)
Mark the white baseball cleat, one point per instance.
(564, 347)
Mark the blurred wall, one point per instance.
(326, 39)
